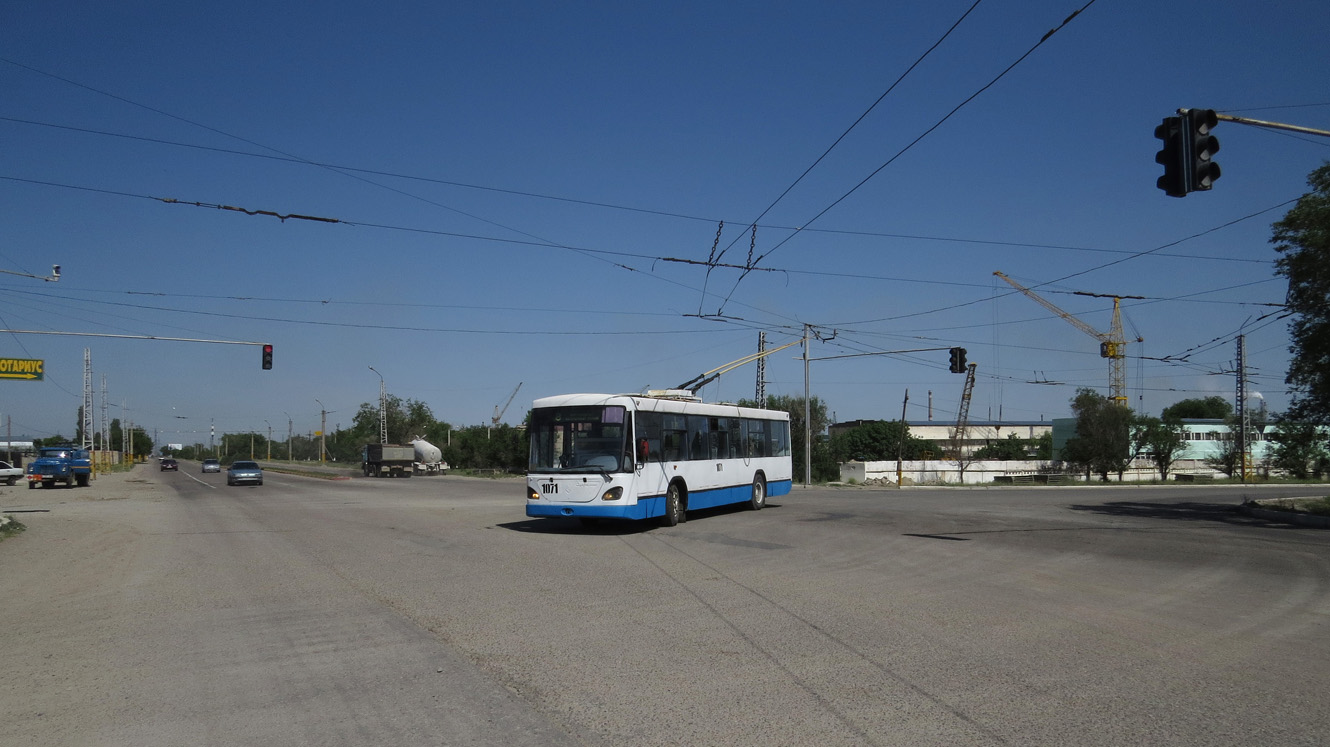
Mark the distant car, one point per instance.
(211, 465)
(9, 473)
(170, 464)
(244, 472)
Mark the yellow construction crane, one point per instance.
(1112, 344)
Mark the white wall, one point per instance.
(981, 473)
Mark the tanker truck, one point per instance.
(429, 458)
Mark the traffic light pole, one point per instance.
(1269, 125)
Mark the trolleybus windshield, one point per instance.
(583, 438)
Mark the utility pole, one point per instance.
(761, 371)
(383, 409)
(900, 444)
(85, 417)
(289, 431)
(105, 430)
(808, 420)
(1240, 445)
(323, 430)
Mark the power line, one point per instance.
(914, 142)
(584, 250)
(626, 208)
(856, 122)
(400, 328)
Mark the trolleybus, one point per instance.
(632, 456)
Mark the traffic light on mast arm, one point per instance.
(1188, 152)
(267, 357)
(1172, 158)
(1204, 146)
(957, 360)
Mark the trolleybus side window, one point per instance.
(648, 436)
(725, 438)
(674, 438)
(780, 438)
(699, 437)
(755, 438)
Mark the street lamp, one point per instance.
(383, 409)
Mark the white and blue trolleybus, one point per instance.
(631, 456)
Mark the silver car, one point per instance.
(211, 465)
(244, 472)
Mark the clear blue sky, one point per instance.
(513, 179)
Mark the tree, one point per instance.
(1228, 460)
(1160, 440)
(406, 420)
(1043, 446)
(1210, 408)
(1013, 447)
(1302, 239)
(1102, 443)
(501, 448)
(823, 464)
(1299, 448)
(879, 441)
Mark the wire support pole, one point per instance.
(900, 445)
(383, 409)
(808, 422)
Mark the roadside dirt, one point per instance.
(55, 582)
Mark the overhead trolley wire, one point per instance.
(847, 131)
(628, 208)
(914, 142)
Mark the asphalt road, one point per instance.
(169, 609)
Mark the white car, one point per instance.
(9, 473)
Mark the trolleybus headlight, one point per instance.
(613, 494)
(532, 495)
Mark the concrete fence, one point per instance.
(937, 472)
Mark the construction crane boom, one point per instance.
(1077, 323)
(498, 413)
(963, 414)
(1112, 344)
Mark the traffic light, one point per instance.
(1204, 171)
(267, 357)
(1172, 157)
(957, 360)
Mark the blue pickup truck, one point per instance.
(68, 464)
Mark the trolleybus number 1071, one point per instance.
(596, 456)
